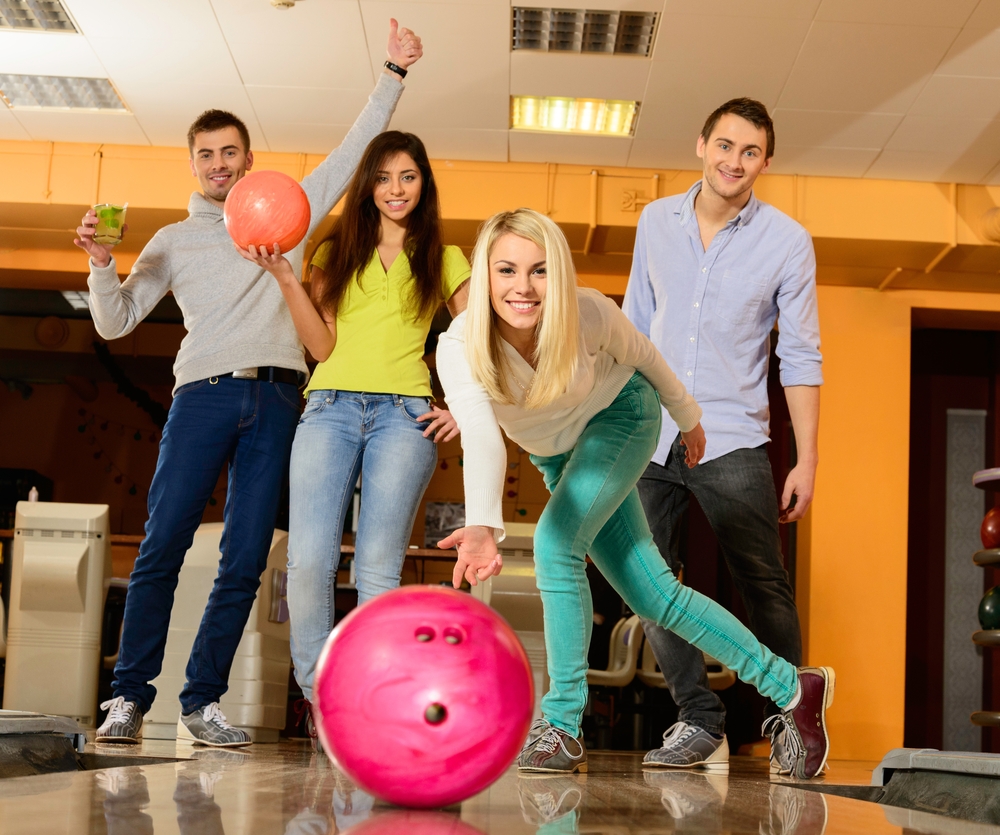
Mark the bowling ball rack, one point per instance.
(988, 557)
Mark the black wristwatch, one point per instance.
(393, 68)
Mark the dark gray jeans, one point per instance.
(737, 494)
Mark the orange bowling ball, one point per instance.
(989, 531)
(267, 208)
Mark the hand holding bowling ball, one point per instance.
(423, 696)
(989, 609)
(267, 208)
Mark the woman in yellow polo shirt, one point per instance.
(377, 281)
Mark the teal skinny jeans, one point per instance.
(595, 510)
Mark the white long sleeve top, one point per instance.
(611, 350)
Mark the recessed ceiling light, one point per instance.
(59, 92)
(39, 15)
(583, 30)
(605, 117)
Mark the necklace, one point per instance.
(527, 390)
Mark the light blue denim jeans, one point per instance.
(340, 435)
(595, 510)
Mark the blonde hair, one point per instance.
(557, 349)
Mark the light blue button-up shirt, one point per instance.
(711, 312)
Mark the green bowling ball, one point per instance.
(989, 609)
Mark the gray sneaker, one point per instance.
(554, 751)
(538, 727)
(208, 726)
(123, 724)
(688, 746)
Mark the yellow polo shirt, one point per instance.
(379, 347)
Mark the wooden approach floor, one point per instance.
(286, 789)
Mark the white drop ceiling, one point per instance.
(902, 89)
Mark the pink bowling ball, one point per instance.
(424, 696)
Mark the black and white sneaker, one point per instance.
(688, 746)
(208, 726)
(123, 723)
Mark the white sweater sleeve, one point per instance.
(483, 449)
(619, 338)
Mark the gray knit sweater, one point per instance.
(234, 312)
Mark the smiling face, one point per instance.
(733, 156)
(398, 186)
(219, 160)
(517, 287)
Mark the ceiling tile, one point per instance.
(677, 103)
(823, 162)
(313, 44)
(63, 126)
(166, 110)
(986, 15)
(797, 9)
(163, 21)
(10, 128)
(145, 59)
(954, 13)
(949, 137)
(319, 106)
(931, 166)
(302, 138)
(527, 146)
(823, 128)
(34, 53)
(959, 97)
(582, 76)
(459, 143)
(864, 67)
(975, 52)
(669, 153)
(461, 81)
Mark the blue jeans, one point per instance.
(736, 492)
(249, 425)
(342, 434)
(595, 510)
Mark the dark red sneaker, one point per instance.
(806, 740)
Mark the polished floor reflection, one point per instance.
(285, 789)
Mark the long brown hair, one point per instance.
(355, 233)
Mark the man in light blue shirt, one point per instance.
(713, 271)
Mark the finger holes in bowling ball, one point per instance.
(424, 634)
(436, 713)
(454, 635)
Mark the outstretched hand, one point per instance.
(478, 557)
(404, 47)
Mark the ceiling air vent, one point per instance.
(37, 15)
(59, 92)
(583, 30)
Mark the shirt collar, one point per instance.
(686, 210)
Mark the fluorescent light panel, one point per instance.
(78, 299)
(39, 15)
(40, 92)
(583, 30)
(603, 117)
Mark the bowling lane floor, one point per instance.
(286, 789)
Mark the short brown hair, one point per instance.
(212, 120)
(751, 110)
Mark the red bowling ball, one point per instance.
(267, 208)
(989, 531)
(423, 695)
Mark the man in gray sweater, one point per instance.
(235, 402)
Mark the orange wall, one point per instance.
(853, 591)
